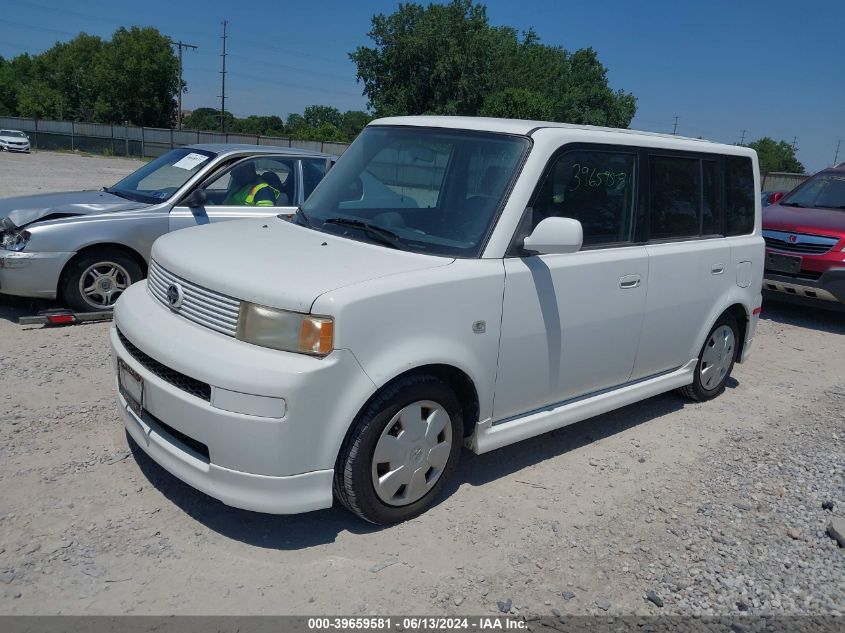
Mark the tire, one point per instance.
(371, 466)
(715, 361)
(119, 269)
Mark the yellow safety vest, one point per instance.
(250, 197)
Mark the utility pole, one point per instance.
(742, 140)
(836, 156)
(675, 128)
(181, 45)
(223, 76)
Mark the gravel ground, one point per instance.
(661, 507)
(24, 174)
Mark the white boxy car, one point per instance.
(451, 282)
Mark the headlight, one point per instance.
(286, 331)
(14, 240)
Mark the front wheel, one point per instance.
(402, 450)
(715, 362)
(95, 281)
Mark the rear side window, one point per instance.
(739, 185)
(675, 197)
(597, 188)
(686, 195)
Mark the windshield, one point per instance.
(419, 189)
(12, 133)
(825, 190)
(161, 178)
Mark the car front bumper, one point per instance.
(27, 274)
(266, 436)
(829, 287)
(16, 148)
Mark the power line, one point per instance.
(181, 45)
(304, 71)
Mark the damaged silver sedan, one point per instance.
(87, 247)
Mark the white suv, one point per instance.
(452, 281)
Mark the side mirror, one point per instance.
(776, 197)
(555, 235)
(197, 198)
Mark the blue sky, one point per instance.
(771, 67)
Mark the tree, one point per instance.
(39, 101)
(67, 68)
(132, 77)
(319, 115)
(207, 119)
(138, 77)
(447, 59)
(776, 156)
(353, 122)
(518, 103)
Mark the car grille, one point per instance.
(205, 307)
(799, 242)
(187, 384)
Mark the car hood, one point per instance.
(279, 264)
(797, 220)
(25, 210)
(19, 139)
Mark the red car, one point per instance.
(805, 242)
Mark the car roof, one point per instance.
(232, 148)
(527, 127)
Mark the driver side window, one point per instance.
(597, 188)
(263, 181)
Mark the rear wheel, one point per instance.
(715, 362)
(95, 281)
(403, 449)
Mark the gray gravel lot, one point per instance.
(661, 507)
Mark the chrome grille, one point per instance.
(205, 307)
(799, 242)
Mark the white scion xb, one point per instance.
(452, 281)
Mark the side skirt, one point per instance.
(492, 435)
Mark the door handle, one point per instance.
(717, 269)
(629, 281)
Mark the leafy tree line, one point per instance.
(447, 59)
(316, 123)
(439, 59)
(132, 77)
(776, 156)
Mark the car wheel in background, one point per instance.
(403, 448)
(716, 360)
(95, 281)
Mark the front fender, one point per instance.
(136, 230)
(426, 317)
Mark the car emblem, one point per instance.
(175, 296)
(792, 239)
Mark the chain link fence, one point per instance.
(129, 140)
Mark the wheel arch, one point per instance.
(456, 379)
(734, 306)
(86, 250)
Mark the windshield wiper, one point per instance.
(793, 204)
(301, 215)
(377, 233)
(119, 193)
